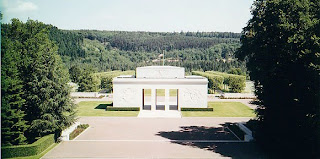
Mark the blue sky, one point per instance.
(133, 15)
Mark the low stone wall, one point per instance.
(65, 133)
(248, 132)
(237, 96)
(84, 94)
(88, 94)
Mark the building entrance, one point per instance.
(160, 99)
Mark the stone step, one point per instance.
(159, 114)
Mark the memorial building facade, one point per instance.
(160, 88)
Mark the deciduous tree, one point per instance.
(282, 45)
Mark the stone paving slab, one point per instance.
(159, 114)
(126, 137)
(91, 149)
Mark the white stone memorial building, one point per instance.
(160, 88)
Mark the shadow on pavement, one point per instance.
(103, 106)
(246, 150)
(199, 133)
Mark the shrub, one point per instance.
(80, 128)
(236, 71)
(236, 83)
(28, 150)
(123, 109)
(215, 81)
(107, 77)
(83, 126)
(196, 109)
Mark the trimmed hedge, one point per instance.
(122, 109)
(236, 83)
(215, 81)
(28, 150)
(196, 109)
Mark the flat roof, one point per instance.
(177, 81)
(160, 67)
(161, 72)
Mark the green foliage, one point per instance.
(236, 83)
(44, 79)
(80, 128)
(13, 125)
(75, 73)
(222, 109)
(107, 77)
(98, 108)
(83, 126)
(196, 109)
(87, 81)
(236, 71)
(114, 50)
(106, 83)
(111, 50)
(28, 150)
(154, 41)
(69, 43)
(282, 46)
(215, 81)
(122, 108)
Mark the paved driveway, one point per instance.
(155, 138)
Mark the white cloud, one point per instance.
(20, 7)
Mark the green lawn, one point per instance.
(223, 109)
(220, 109)
(97, 108)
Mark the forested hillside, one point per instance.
(121, 50)
(85, 52)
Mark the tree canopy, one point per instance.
(122, 50)
(282, 46)
(36, 98)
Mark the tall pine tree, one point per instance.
(13, 124)
(48, 106)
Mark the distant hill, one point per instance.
(122, 50)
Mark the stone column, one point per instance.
(153, 99)
(167, 99)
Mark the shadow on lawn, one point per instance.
(103, 106)
(235, 150)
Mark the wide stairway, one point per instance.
(159, 114)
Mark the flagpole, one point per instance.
(163, 58)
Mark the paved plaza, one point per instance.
(128, 137)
